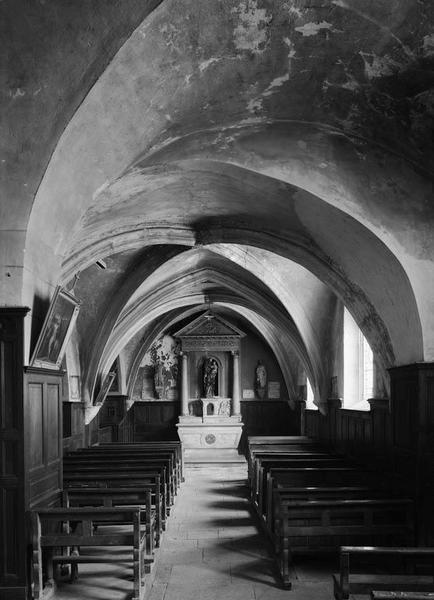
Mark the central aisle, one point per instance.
(213, 549)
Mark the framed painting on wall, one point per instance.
(105, 387)
(56, 330)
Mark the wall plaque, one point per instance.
(248, 394)
(273, 389)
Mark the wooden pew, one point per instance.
(314, 477)
(112, 479)
(258, 457)
(346, 583)
(45, 544)
(281, 449)
(263, 464)
(93, 463)
(173, 445)
(126, 451)
(318, 526)
(387, 595)
(133, 473)
(280, 439)
(117, 497)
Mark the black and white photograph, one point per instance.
(216, 299)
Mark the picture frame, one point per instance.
(105, 387)
(56, 330)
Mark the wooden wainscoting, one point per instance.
(43, 434)
(73, 426)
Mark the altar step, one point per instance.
(213, 456)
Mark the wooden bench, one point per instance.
(117, 497)
(172, 445)
(84, 536)
(314, 477)
(135, 452)
(279, 439)
(258, 457)
(299, 494)
(276, 447)
(346, 583)
(318, 526)
(91, 463)
(111, 479)
(280, 451)
(387, 595)
(263, 464)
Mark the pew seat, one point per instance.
(112, 479)
(347, 582)
(411, 595)
(52, 549)
(95, 464)
(127, 497)
(318, 526)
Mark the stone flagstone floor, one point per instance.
(214, 550)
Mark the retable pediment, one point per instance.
(209, 325)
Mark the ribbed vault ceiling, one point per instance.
(273, 156)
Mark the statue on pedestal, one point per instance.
(260, 380)
(209, 377)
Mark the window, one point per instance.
(310, 396)
(358, 366)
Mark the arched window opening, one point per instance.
(310, 397)
(358, 366)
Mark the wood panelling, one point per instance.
(73, 425)
(34, 425)
(267, 417)
(13, 549)
(356, 432)
(113, 410)
(412, 394)
(405, 416)
(125, 429)
(312, 423)
(96, 434)
(42, 427)
(155, 420)
(400, 439)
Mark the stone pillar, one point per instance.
(184, 389)
(236, 396)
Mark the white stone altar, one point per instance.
(212, 422)
(210, 431)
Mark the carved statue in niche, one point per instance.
(210, 372)
(260, 380)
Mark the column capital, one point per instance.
(235, 353)
(379, 403)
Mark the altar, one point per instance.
(210, 430)
(210, 418)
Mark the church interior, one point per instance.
(217, 266)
